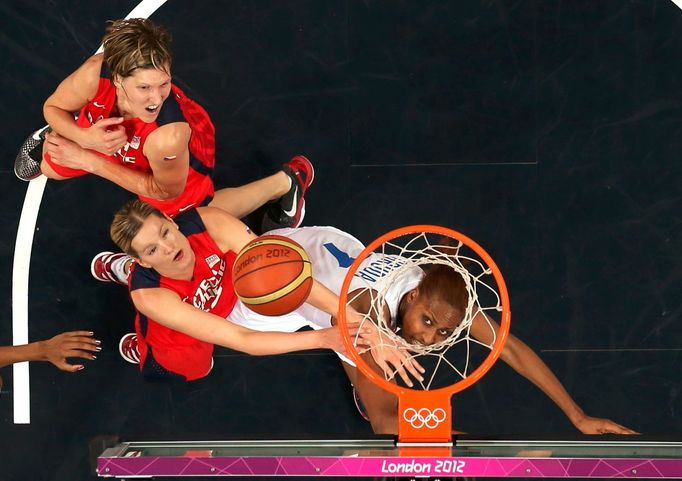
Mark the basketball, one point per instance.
(272, 275)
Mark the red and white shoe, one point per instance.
(128, 348)
(289, 210)
(101, 267)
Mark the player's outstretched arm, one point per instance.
(526, 362)
(166, 308)
(55, 350)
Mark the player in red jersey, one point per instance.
(138, 130)
(182, 289)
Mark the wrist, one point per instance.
(39, 351)
(576, 416)
(80, 137)
(91, 162)
(322, 339)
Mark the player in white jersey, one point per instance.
(331, 252)
(424, 306)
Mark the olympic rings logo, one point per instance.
(424, 417)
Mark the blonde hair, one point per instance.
(128, 221)
(135, 43)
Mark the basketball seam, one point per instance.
(306, 272)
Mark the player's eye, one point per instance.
(444, 332)
(165, 233)
(427, 321)
(151, 251)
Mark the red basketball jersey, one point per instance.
(176, 108)
(210, 289)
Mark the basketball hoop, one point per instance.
(424, 415)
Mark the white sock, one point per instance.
(118, 268)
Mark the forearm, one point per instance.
(267, 343)
(137, 182)
(324, 299)
(527, 363)
(27, 352)
(64, 124)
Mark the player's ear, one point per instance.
(413, 294)
(143, 264)
(170, 220)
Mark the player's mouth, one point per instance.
(152, 109)
(179, 256)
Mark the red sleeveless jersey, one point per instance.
(210, 289)
(176, 108)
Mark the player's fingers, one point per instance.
(384, 367)
(353, 328)
(65, 366)
(109, 121)
(82, 345)
(79, 333)
(52, 138)
(415, 364)
(83, 339)
(80, 353)
(398, 365)
(411, 365)
(618, 429)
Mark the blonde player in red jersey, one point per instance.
(137, 129)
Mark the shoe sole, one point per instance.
(120, 351)
(312, 171)
(92, 266)
(300, 218)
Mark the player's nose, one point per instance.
(428, 338)
(167, 247)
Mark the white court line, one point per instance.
(22, 263)
(677, 2)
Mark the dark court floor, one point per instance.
(550, 132)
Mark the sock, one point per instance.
(118, 269)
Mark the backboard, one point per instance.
(587, 457)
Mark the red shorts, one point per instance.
(170, 355)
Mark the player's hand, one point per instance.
(390, 357)
(65, 152)
(70, 344)
(106, 136)
(589, 425)
(333, 338)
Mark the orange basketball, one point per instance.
(272, 275)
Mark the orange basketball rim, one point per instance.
(431, 408)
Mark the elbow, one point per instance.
(164, 193)
(384, 424)
(384, 428)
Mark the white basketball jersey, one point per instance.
(331, 252)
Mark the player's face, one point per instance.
(427, 321)
(162, 246)
(142, 93)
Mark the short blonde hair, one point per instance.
(128, 221)
(135, 43)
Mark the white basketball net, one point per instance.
(397, 259)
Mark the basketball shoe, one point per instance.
(110, 267)
(128, 348)
(27, 162)
(289, 210)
